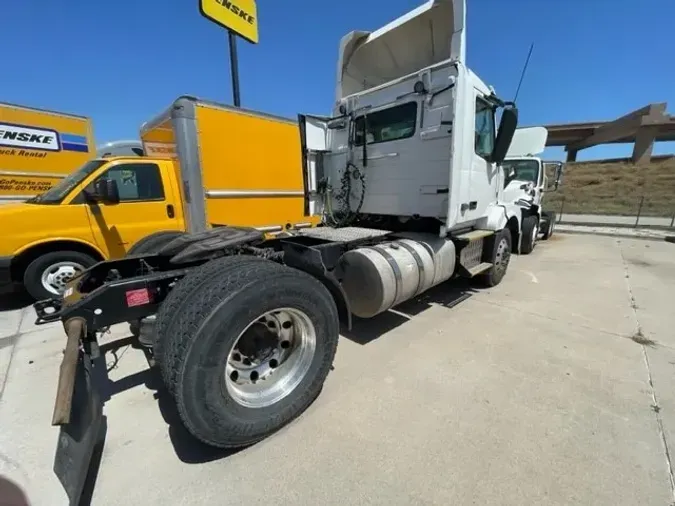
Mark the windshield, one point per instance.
(526, 170)
(61, 190)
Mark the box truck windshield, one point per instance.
(60, 191)
(525, 170)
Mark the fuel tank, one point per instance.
(376, 278)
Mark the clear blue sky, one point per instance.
(122, 62)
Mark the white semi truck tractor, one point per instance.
(527, 183)
(406, 174)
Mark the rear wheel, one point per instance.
(47, 276)
(254, 349)
(182, 294)
(530, 234)
(498, 252)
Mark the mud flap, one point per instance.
(86, 430)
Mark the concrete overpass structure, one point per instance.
(642, 127)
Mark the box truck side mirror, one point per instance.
(106, 191)
(507, 127)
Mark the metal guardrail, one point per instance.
(612, 209)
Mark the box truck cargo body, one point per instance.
(38, 148)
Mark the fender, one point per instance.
(312, 261)
(505, 215)
(499, 215)
(43, 243)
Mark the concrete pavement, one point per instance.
(625, 232)
(609, 219)
(553, 388)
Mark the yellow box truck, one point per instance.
(38, 148)
(205, 165)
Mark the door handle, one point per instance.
(169, 211)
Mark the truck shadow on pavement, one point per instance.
(448, 294)
(13, 298)
(192, 451)
(187, 448)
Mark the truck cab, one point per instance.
(413, 139)
(526, 181)
(72, 226)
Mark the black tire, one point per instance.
(547, 229)
(498, 252)
(530, 231)
(154, 242)
(32, 277)
(182, 294)
(209, 328)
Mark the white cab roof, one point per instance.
(427, 35)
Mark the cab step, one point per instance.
(480, 268)
(474, 235)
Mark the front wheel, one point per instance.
(498, 253)
(254, 349)
(547, 229)
(47, 276)
(530, 232)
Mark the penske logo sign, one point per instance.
(16, 136)
(37, 142)
(240, 16)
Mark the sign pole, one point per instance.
(234, 67)
(240, 19)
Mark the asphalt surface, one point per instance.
(556, 387)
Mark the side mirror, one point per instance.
(558, 176)
(507, 127)
(106, 191)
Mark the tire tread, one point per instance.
(185, 329)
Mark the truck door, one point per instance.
(484, 174)
(314, 144)
(148, 203)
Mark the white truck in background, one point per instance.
(120, 148)
(527, 183)
(407, 177)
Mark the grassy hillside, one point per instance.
(616, 187)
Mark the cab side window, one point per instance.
(485, 129)
(137, 182)
(392, 124)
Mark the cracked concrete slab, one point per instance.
(662, 371)
(528, 393)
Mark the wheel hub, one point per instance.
(270, 358)
(502, 256)
(258, 344)
(55, 277)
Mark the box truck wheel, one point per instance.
(254, 349)
(46, 276)
(497, 252)
(549, 225)
(530, 233)
(165, 345)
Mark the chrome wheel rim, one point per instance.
(502, 256)
(55, 277)
(270, 358)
